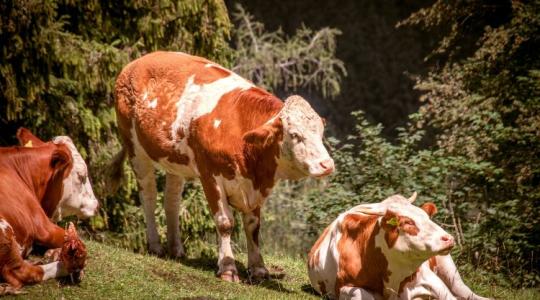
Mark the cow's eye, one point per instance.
(408, 222)
(296, 136)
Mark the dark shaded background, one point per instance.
(378, 56)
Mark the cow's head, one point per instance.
(77, 197)
(302, 151)
(409, 230)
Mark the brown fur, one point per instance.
(361, 264)
(430, 208)
(30, 189)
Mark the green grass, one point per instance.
(114, 273)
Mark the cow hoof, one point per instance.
(258, 274)
(230, 276)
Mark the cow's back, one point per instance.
(158, 95)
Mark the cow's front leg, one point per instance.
(252, 223)
(217, 200)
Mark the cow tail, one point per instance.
(116, 171)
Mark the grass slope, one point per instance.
(114, 273)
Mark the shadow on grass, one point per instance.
(209, 264)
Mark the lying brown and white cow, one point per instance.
(38, 182)
(196, 119)
(387, 250)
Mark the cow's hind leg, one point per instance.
(173, 194)
(217, 200)
(146, 179)
(252, 223)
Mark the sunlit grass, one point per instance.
(114, 273)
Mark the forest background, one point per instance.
(444, 95)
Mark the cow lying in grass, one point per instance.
(387, 250)
(196, 119)
(40, 181)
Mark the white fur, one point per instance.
(78, 196)
(302, 153)
(53, 270)
(4, 225)
(197, 100)
(403, 258)
(217, 122)
(153, 104)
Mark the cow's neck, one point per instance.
(33, 167)
(400, 267)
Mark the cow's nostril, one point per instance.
(446, 238)
(327, 164)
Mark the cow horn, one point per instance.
(369, 209)
(412, 197)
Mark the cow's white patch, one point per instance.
(78, 196)
(197, 100)
(152, 103)
(216, 123)
(4, 225)
(53, 270)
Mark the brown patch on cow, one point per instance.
(210, 74)
(391, 230)
(24, 136)
(393, 223)
(429, 208)
(223, 151)
(405, 281)
(361, 264)
(161, 76)
(408, 225)
(61, 164)
(433, 263)
(322, 287)
(313, 257)
(14, 270)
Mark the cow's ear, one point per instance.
(27, 139)
(265, 135)
(61, 158)
(390, 221)
(429, 208)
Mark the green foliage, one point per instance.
(58, 64)
(483, 167)
(485, 107)
(273, 60)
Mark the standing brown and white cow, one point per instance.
(387, 250)
(196, 119)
